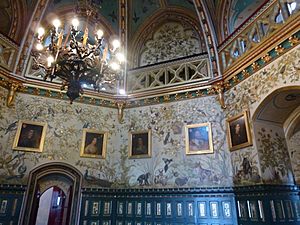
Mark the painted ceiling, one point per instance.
(141, 11)
(241, 10)
(283, 103)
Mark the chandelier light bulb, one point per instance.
(75, 23)
(50, 60)
(41, 32)
(116, 44)
(99, 34)
(39, 46)
(56, 23)
(69, 56)
(115, 66)
(122, 92)
(120, 56)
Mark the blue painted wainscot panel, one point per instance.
(203, 206)
(268, 204)
(11, 198)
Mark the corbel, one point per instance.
(219, 89)
(13, 87)
(121, 106)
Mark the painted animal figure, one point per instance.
(203, 174)
(143, 179)
(180, 181)
(160, 178)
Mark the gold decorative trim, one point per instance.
(95, 135)
(196, 151)
(33, 140)
(245, 116)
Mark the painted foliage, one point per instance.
(63, 138)
(169, 165)
(170, 41)
(247, 95)
(294, 146)
(273, 153)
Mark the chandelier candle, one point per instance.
(76, 61)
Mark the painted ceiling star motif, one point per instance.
(113, 16)
(135, 17)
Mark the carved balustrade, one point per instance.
(259, 32)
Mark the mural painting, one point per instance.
(168, 166)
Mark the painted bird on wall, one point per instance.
(167, 163)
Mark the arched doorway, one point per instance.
(53, 195)
(271, 135)
(53, 207)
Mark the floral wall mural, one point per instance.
(246, 168)
(172, 40)
(248, 95)
(65, 124)
(294, 149)
(273, 153)
(168, 166)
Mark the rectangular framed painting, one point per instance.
(198, 139)
(140, 144)
(93, 144)
(238, 131)
(30, 136)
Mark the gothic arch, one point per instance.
(271, 138)
(146, 31)
(209, 35)
(62, 172)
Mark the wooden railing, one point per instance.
(8, 53)
(169, 74)
(260, 30)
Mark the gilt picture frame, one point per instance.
(238, 131)
(140, 144)
(30, 136)
(93, 144)
(198, 139)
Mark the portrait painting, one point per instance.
(93, 144)
(198, 139)
(30, 136)
(140, 144)
(238, 132)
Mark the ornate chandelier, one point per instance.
(77, 59)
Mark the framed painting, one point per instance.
(93, 144)
(140, 144)
(30, 136)
(198, 139)
(238, 131)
